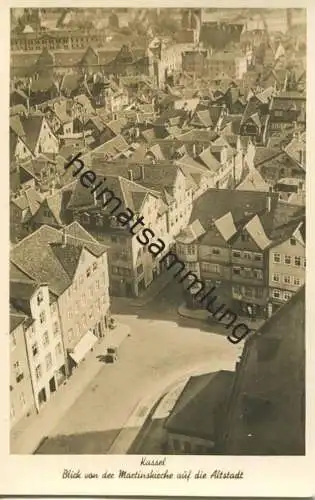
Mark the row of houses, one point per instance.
(59, 308)
(249, 245)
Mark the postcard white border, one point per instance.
(263, 476)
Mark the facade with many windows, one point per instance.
(287, 263)
(21, 390)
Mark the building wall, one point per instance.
(44, 346)
(47, 142)
(178, 444)
(21, 391)
(85, 304)
(22, 152)
(287, 264)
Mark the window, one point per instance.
(216, 251)
(70, 334)
(48, 361)
(190, 249)
(297, 261)
(97, 284)
(287, 259)
(99, 220)
(287, 295)
(40, 297)
(296, 281)
(258, 274)
(292, 241)
(244, 237)
(258, 257)
(236, 254)
(276, 258)
(276, 277)
(55, 328)
(236, 289)
(45, 339)
(247, 256)
(81, 279)
(88, 272)
(287, 279)
(259, 293)
(70, 314)
(42, 317)
(35, 349)
(18, 372)
(304, 262)
(38, 372)
(58, 349)
(94, 266)
(236, 270)
(248, 292)
(276, 293)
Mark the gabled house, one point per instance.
(35, 132)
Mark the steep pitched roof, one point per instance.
(36, 254)
(197, 412)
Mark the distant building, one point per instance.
(230, 63)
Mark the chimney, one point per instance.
(130, 175)
(194, 150)
(64, 237)
(142, 172)
(269, 200)
(94, 197)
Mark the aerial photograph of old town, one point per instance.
(157, 231)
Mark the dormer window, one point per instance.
(292, 241)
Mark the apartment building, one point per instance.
(57, 40)
(287, 263)
(21, 390)
(42, 357)
(160, 193)
(230, 63)
(74, 267)
(228, 241)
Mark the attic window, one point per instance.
(292, 241)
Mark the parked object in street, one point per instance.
(112, 323)
(112, 351)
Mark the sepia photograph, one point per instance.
(157, 234)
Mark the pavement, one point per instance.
(28, 433)
(111, 411)
(147, 295)
(202, 315)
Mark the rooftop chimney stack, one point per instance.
(269, 200)
(130, 175)
(64, 238)
(142, 172)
